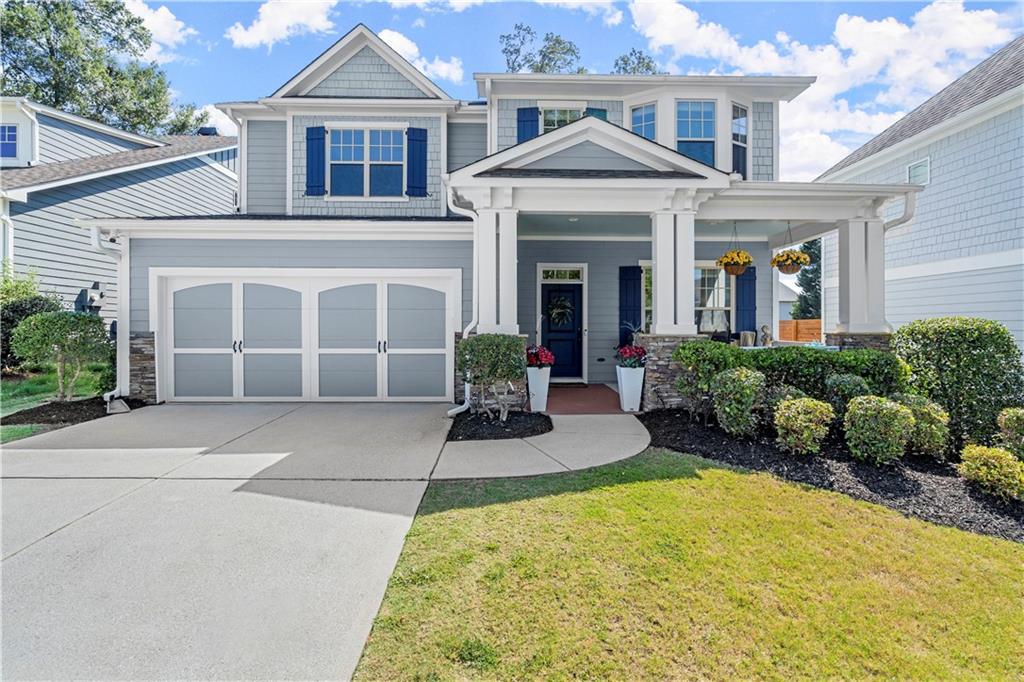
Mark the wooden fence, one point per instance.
(800, 330)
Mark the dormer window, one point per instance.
(366, 162)
(8, 141)
(695, 130)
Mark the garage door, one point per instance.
(350, 336)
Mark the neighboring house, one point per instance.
(57, 168)
(963, 251)
(381, 219)
(787, 297)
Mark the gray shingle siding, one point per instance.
(431, 205)
(366, 74)
(590, 156)
(265, 161)
(762, 141)
(61, 141)
(507, 113)
(467, 142)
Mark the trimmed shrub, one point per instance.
(736, 394)
(67, 339)
(970, 366)
(701, 361)
(14, 287)
(842, 388)
(1011, 430)
(931, 425)
(773, 395)
(492, 363)
(885, 372)
(994, 470)
(802, 424)
(877, 429)
(107, 380)
(809, 368)
(12, 312)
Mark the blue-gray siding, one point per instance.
(47, 241)
(366, 74)
(62, 141)
(265, 163)
(467, 142)
(218, 254)
(589, 156)
(227, 158)
(507, 108)
(762, 141)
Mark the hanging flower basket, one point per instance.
(735, 261)
(789, 261)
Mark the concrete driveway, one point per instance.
(208, 541)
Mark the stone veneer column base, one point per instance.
(142, 356)
(851, 340)
(662, 372)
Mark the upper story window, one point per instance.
(919, 172)
(8, 141)
(643, 120)
(367, 162)
(556, 118)
(740, 124)
(695, 130)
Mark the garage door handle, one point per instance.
(385, 346)
(378, 346)
(234, 346)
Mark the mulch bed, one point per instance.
(920, 487)
(468, 426)
(70, 412)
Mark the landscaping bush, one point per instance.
(802, 424)
(67, 339)
(994, 470)
(809, 368)
(492, 363)
(877, 429)
(842, 388)
(12, 312)
(701, 361)
(14, 287)
(970, 366)
(885, 372)
(775, 394)
(1011, 430)
(736, 394)
(931, 425)
(107, 380)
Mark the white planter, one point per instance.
(537, 379)
(631, 384)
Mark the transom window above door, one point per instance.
(552, 119)
(366, 162)
(562, 275)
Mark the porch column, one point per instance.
(685, 323)
(862, 277)
(508, 266)
(672, 275)
(487, 243)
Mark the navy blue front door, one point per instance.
(562, 327)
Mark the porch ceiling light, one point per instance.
(573, 219)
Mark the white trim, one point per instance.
(366, 128)
(573, 104)
(289, 170)
(243, 162)
(585, 344)
(927, 160)
(285, 229)
(123, 349)
(980, 263)
(627, 114)
(220, 167)
(378, 125)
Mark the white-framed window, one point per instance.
(695, 129)
(713, 298)
(740, 132)
(366, 162)
(552, 119)
(919, 172)
(561, 275)
(9, 141)
(642, 120)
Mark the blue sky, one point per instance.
(875, 61)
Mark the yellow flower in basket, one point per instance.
(735, 261)
(790, 261)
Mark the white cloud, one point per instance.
(419, 23)
(904, 63)
(448, 70)
(279, 20)
(436, 5)
(609, 12)
(168, 31)
(224, 125)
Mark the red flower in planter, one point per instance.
(631, 356)
(539, 356)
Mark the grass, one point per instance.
(36, 388)
(667, 566)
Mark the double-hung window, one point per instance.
(643, 120)
(712, 298)
(552, 119)
(740, 125)
(367, 162)
(695, 130)
(8, 141)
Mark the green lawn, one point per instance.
(36, 388)
(668, 566)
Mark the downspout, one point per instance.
(475, 287)
(909, 206)
(100, 246)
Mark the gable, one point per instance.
(63, 141)
(365, 74)
(587, 156)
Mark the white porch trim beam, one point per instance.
(672, 272)
(508, 276)
(487, 235)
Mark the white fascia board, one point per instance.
(93, 125)
(284, 229)
(475, 115)
(997, 105)
(600, 86)
(747, 188)
(375, 106)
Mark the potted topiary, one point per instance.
(735, 261)
(538, 375)
(630, 373)
(789, 261)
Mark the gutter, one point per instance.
(100, 246)
(909, 207)
(450, 194)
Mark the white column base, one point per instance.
(674, 329)
(497, 329)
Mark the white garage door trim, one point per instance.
(309, 283)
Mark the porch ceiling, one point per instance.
(620, 225)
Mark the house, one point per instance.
(382, 219)
(57, 168)
(963, 251)
(787, 296)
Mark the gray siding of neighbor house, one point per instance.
(467, 142)
(47, 241)
(588, 156)
(429, 206)
(227, 158)
(63, 141)
(236, 253)
(366, 74)
(265, 166)
(762, 141)
(507, 113)
(972, 206)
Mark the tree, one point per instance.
(67, 339)
(556, 54)
(808, 303)
(83, 57)
(636, 62)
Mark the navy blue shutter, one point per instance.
(416, 170)
(315, 164)
(746, 301)
(527, 123)
(631, 301)
(597, 113)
